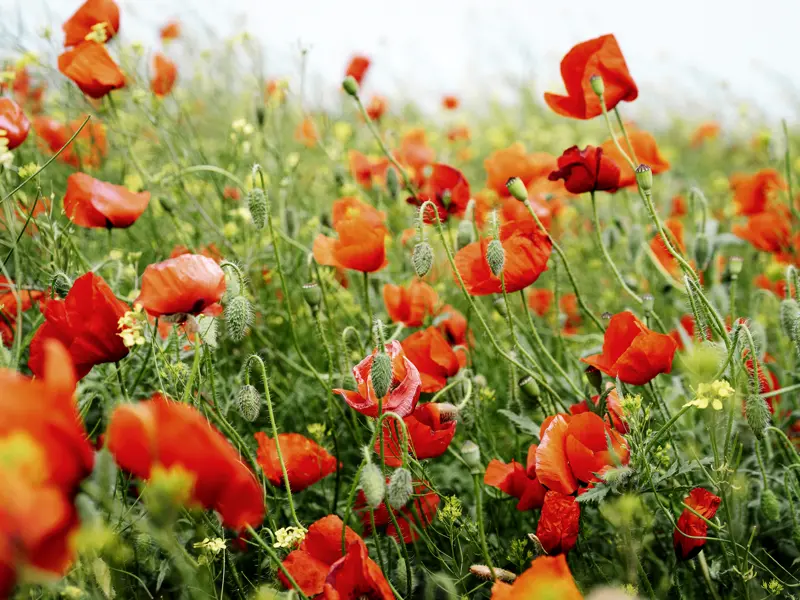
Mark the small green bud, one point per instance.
(702, 250)
(598, 85)
(168, 204)
(257, 203)
(400, 488)
(392, 182)
(517, 189)
(471, 454)
(500, 306)
(290, 221)
(248, 400)
(238, 317)
(757, 414)
(312, 294)
(422, 258)
(496, 257)
(350, 85)
(465, 235)
(381, 374)
(529, 387)
(400, 574)
(373, 485)
(635, 240)
(61, 284)
(789, 313)
(735, 265)
(647, 303)
(770, 507)
(644, 178)
(595, 378)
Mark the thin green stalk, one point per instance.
(607, 256)
(366, 298)
(476, 480)
(277, 561)
(121, 382)
(187, 391)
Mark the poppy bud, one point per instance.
(735, 265)
(472, 456)
(702, 250)
(400, 574)
(496, 257)
(759, 335)
(484, 572)
(392, 183)
(598, 85)
(422, 259)
(257, 202)
(789, 314)
(167, 204)
(61, 284)
(595, 378)
(500, 306)
(757, 414)
(238, 317)
(644, 178)
(647, 303)
(517, 189)
(248, 401)
(260, 114)
(381, 374)
(529, 387)
(465, 235)
(400, 488)
(373, 485)
(350, 85)
(290, 221)
(312, 295)
(770, 507)
(635, 240)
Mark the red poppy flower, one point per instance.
(189, 283)
(170, 31)
(86, 322)
(613, 408)
(366, 170)
(13, 122)
(559, 523)
(767, 380)
(705, 131)
(11, 302)
(689, 524)
(450, 102)
(306, 461)
(430, 427)
(92, 69)
(633, 352)
(306, 133)
(160, 432)
(514, 161)
(679, 208)
(404, 389)
(600, 56)
(376, 107)
(586, 170)
(547, 577)
(647, 153)
(91, 13)
(356, 576)
(410, 305)
(414, 151)
(659, 248)
(687, 324)
(446, 187)
(359, 246)
(91, 140)
(231, 192)
(165, 72)
(453, 326)
(568, 303)
(90, 202)
(527, 250)
(357, 69)
(540, 300)
(778, 288)
(433, 357)
(351, 207)
(517, 481)
(769, 231)
(418, 513)
(459, 133)
(211, 251)
(752, 194)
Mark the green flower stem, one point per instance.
(614, 139)
(367, 303)
(666, 427)
(187, 391)
(329, 399)
(403, 551)
(277, 561)
(792, 451)
(146, 359)
(607, 256)
(789, 177)
(476, 480)
(376, 540)
(761, 464)
(624, 132)
(121, 382)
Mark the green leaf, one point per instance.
(594, 495)
(523, 423)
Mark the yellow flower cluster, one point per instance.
(99, 33)
(6, 157)
(289, 537)
(131, 327)
(712, 393)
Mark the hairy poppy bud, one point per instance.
(61, 283)
(238, 317)
(248, 401)
(422, 258)
(789, 314)
(595, 378)
(702, 250)
(735, 265)
(373, 485)
(496, 257)
(400, 488)
(381, 374)
(644, 178)
(392, 183)
(517, 189)
(465, 235)
(598, 85)
(257, 203)
(770, 507)
(757, 414)
(350, 85)
(500, 306)
(400, 574)
(484, 572)
(529, 387)
(635, 240)
(312, 295)
(472, 456)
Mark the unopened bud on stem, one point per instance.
(350, 85)
(644, 178)
(598, 86)
(517, 189)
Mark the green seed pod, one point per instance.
(61, 284)
(789, 314)
(257, 202)
(735, 265)
(238, 317)
(422, 258)
(392, 183)
(381, 374)
(471, 454)
(312, 294)
(350, 85)
(757, 414)
(496, 257)
(465, 235)
(373, 485)
(248, 400)
(517, 189)
(595, 378)
(644, 178)
(703, 250)
(500, 306)
(770, 507)
(598, 85)
(529, 387)
(400, 488)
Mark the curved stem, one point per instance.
(607, 256)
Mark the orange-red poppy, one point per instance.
(410, 305)
(170, 31)
(276, 89)
(517, 480)
(366, 170)
(547, 577)
(433, 357)
(189, 283)
(768, 231)
(540, 300)
(86, 322)
(91, 13)
(418, 513)
(28, 96)
(359, 246)
(92, 69)
(351, 207)
(446, 187)
(705, 131)
(403, 392)
(414, 150)
(613, 410)
(559, 523)
(356, 575)
(13, 301)
(586, 170)
(527, 250)
(165, 72)
(459, 133)
(600, 56)
(779, 288)
(231, 192)
(211, 251)
(679, 207)
(88, 148)
(689, 524)
(430, 427)
(647, 153)
(306, 461)
(675, 232)
(13, 123)
(306, 133)
(450, 102)
(377, 107)
(633, 352)
(90, 202)
(514, 161)
(754, 193)
(513, 210)
(357, 69)
(453, 326)
(167, 434)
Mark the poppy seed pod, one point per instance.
(496, 257)
(350, 85)
(381, 374)
(735, 264)
(789, 313)
(500, 306)
(400, 488)
(312, 294)
(422, 259)
(770, 507)
(644, 178)
(598, 85)
(238, 317)
(61, 283)
(595, 378)
(373, 485)
(516, 188)
(248, 401)
(529, 387)
(257, 203)
(471, 454)
(465, 235)
(757, 414)
(392, 183)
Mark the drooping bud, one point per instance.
(238, 317)
(373, 485)
(381, 374)
(517, 189)
(770, 507)
(422, 258)
(248, 401)
(789, 314)
(61, 284)
(500, 306)
(735, 265)
(257, 203)
(350, 85)
(400, 488)
(312, 294)
(496, 257)
(392, 182)
(471, 454)
(529, 387)
(465, 235)
(595, 378)
(644, 178)
(598, 85)
(757, 414)
(702, 250)
(400, 574)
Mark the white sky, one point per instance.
(684, 54)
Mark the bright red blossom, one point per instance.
(356, 576)
(92, 69)
(91, 13)
(548, 577)
(13, 122)
(647, 153)
(189, 283)
(586, 170)
(357, 69)
(165, 72)
(559, 523)
(517, 481)
(11, 302)
(674, 229)
(90, 202)
(752, 194)
(410, 305)
(689, 524)
(433, 357)
(306, 461)
(419, 512)
(431, 428)
(446, 187)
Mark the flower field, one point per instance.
(255, 349)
